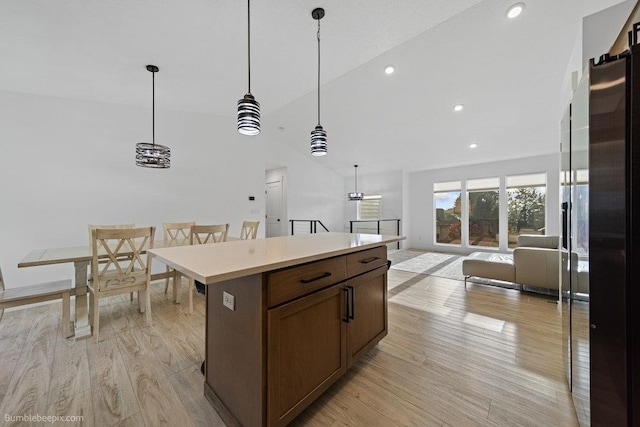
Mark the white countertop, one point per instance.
(217, 262)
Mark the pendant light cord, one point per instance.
(356, 167)
(153, 108)
(249, 43)
(318, 35)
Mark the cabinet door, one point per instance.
(368, 323)
(307, 351)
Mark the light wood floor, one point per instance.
(485, 356)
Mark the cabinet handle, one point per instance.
(346, 304)
(352, 300)
(369, 260)
(313, 279)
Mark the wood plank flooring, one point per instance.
(481, 357)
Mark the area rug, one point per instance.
(432, 263)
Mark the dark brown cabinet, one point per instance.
(291, 334)
(314, 339)
(368, 324)
(307, 351)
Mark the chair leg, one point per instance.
(148, 304)
(192, 287)
(96, 316)
(90, 297)
(166, 281)
(66, 314)
(177, 285)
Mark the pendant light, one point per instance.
(153, 155)
(248, 107)
(355, 195)
(318, 135)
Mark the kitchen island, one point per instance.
(286, 317)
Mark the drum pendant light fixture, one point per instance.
(355, 196)
(248, 107)
(318, 135)
(153, 155)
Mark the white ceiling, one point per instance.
(507, 73)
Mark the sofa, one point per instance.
(535, 262)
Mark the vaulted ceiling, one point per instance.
(507, 73)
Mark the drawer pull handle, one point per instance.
(369, 260)
(313, 279)
(352, 303)
(346, 305)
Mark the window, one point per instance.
(526, 197)
(484, 210)
(480, 210)
(370, 207)
(447, 202)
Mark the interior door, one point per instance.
(274, 209)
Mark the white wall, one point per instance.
(69, 163)
(421, 194)
(405, 226)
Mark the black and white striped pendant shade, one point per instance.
(248, 115)
(318, 141)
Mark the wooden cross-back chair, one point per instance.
(120, 264)
(118, 226)
(249, 230)
(176, 234)
(201, 235)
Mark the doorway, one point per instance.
(275, 209)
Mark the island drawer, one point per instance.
(290, 283)
(367, 260)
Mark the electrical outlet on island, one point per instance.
(229, 301)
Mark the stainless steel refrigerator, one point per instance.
(614, 239)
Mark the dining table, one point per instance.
(81, 258)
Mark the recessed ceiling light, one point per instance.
(389, 69)
(515, 10)
(474, 145)
(458, 107)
